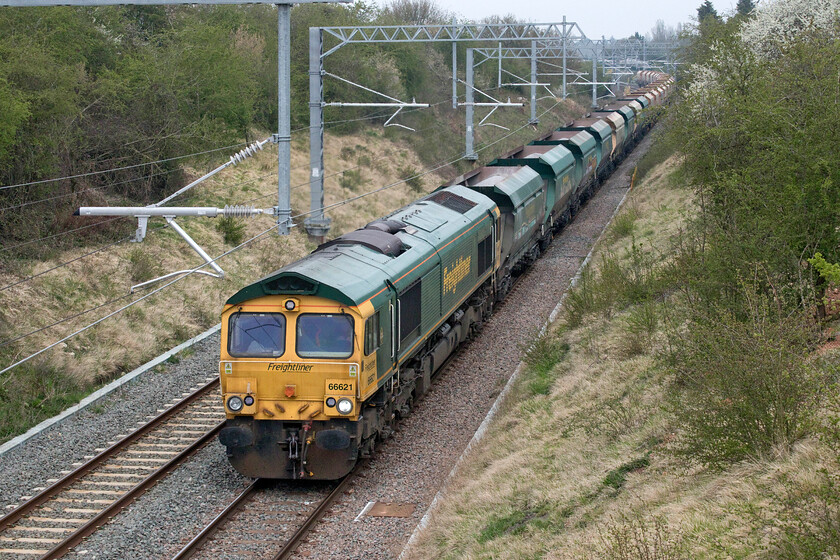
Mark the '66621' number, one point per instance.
(339, 386)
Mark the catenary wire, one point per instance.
(326, 124)
(90, 189)
(60, 234)
(254, 239)
(33, 276)
(61, 265)
(418, 175)
(134, 166)
(138, 300)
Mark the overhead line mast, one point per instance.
(546, 39)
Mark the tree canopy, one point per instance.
(107, 88)
(760, 154)
(706, 10)
(745, 7)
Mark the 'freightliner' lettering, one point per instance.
(286, 368)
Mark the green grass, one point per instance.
(32, 393)
(658, 153)
(624, 224)
(541, 357)
(515, 522)
(616, 478)
(232, 229)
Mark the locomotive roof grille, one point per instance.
(452, 201)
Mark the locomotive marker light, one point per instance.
(235, 404)
(330, 402)
(345, 406)
(249, 400)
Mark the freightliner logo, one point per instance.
(286, 368)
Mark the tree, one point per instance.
(417, 12)
(762, 168)
(745, 7)
(706, 10)
(663, 33)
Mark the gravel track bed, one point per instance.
(33, 463)
(266, 522)
(408, 468)
(412, 466)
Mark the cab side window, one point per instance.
(372, 334)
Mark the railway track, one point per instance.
(264, 521)
(55, 520)
(256, 522)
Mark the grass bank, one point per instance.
(586, 458)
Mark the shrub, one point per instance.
(634, 538)
(640, 327)
(346, 153)
(809, 523)
(617, 284)
(580, 300)
(232, 230)
(350, 179)
(409, 175)
(624, 224)
(658, 153)
(142, 266)
(744, 385)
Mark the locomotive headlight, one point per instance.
(344, 406)
(235, 404)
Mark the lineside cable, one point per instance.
(32, 277)
(109, 220)
(138, 300)
(251, 240)
(136, 165)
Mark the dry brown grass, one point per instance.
(192, 305)
(590, 466)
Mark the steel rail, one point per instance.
(295, 540)
(195, 544)
(126, 499)
(51, 491)
(8, 521)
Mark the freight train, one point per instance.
(320, 358)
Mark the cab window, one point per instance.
(324, 336)
(256, 335)
(372, 334)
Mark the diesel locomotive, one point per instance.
(320, 358)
